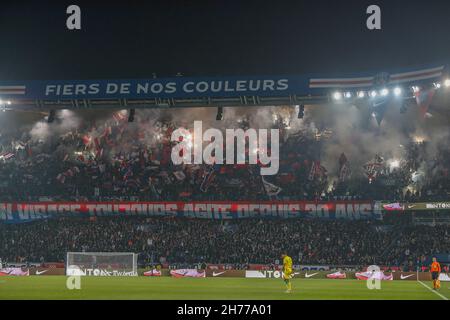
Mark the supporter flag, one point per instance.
(317, 171)
(379, 109)
(119, 117)
(29, 150)
(99, 153)
(61, 178)
(344, 170)
(6, 155)
(312, 172)
(98, 148)
(20, 145)
(179, 175)
(128, 174)
(69, 173)
(106, 132)
(86, 139)
(373, 167)
(209, 177)
(424, 99)
(271, 189)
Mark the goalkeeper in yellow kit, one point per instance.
(287, 271)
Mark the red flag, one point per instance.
(424, 99)
(86, 139)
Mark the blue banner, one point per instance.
(210, 87)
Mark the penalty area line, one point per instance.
(434, 291)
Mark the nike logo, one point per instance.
(40, 272)
(405, 277)
(411, 206)
(218, 273)
(310, 275)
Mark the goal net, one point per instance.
(101, 264)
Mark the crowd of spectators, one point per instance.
(189, 242)
(114, 159)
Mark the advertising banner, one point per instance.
(153, 273)
(379, 275)
(417, 206)
(47, 271)
(14, 272)
(188, 273)
(73, 270)
(267, 274)
(225, 273)
(210, 87)
(444, 277)
(337, 275)
(220, 210)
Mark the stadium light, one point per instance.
(418, 139)
(437, 85)
(395, 164)
(348, 95)
(384, 92)
(373, 94)
(397, 91)
(3, 104)
(447, 83)
(219, 116)
(131, 115)
(361, 94)
(337, 95)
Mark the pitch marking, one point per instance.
(440, 295)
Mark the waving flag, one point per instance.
(6, 155)
(424, 99)
(271, 189)
(344, 169)
(179, 175)
(317, 170)
(209, 177)
(379, 108)
(373, 167)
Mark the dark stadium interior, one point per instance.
(363, 175)
(218, 38)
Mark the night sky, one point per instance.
(130, 39)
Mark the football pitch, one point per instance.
(136, 288)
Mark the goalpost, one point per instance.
(101, 264)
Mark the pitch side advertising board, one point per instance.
(47, 271)
(98, 272)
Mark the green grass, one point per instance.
(54, 287)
